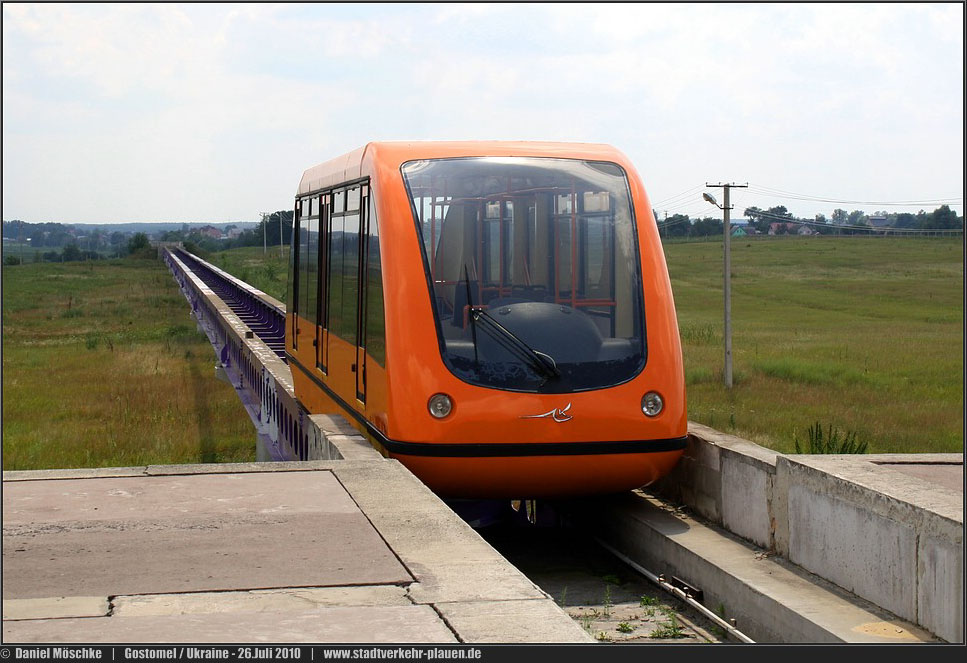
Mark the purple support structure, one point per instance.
(246, 328)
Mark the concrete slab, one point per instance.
(510, 621)
(269, 600)
(74, 473)
(448, 559)
(58, 607)
(312, 552)
(163, 534)
(368, 624)
(947, 475)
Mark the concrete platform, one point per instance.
(772, 600)
(350, 551)
(869, 548)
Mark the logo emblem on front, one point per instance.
(558, 414)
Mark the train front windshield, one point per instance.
(534, 270)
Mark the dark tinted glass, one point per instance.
(534, 270)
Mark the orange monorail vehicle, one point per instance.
(495, 315)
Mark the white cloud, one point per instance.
(190, 111)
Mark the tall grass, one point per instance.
(865, 334)
(265, 270)
(102, 366)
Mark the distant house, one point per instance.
(211, 231)
(881, 224)
(780, 228)
(739, 232)
(806, 230)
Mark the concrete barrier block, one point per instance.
(746, 489)
(861, 551)
(940, 587)
(333, 424)
(354, 447)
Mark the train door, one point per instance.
(292, 300)
(322, 329)
(343, 339)
(362, 273)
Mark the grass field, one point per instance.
(266, 270)
(102, 367)
(863, 334)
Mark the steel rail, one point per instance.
(728, 626)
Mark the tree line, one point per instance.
(266, 232)
(778, 220)
(68, 246)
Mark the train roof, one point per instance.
(348, 167)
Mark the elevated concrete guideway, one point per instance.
(300, 552)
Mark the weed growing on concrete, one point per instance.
(718, 631)
(670, 629)
(625, 627)
(650, 604)
(831, 442)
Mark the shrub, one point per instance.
(831, 442)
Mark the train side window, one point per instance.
(292, 298)
(334, 300)
(375, 322)
(350, 278)
(303, 269)
(325, 232)
(310, 277)
(352, 199)
(338, 202)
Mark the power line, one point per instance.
(686, 193)
(779, 193)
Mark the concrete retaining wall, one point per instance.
(887, 536)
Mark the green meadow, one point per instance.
(864, 334)
(267, 270)
(103, 367)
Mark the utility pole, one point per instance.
(265, 247)
(727, 233)
(281, 254)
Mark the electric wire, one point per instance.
(686, 193)
(779, 193)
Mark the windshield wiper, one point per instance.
(541, 362)
(473, 321)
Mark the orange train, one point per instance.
(495, 315)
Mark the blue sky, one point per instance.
(211, 112)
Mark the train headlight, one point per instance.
(440, 405)
(652, 404)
